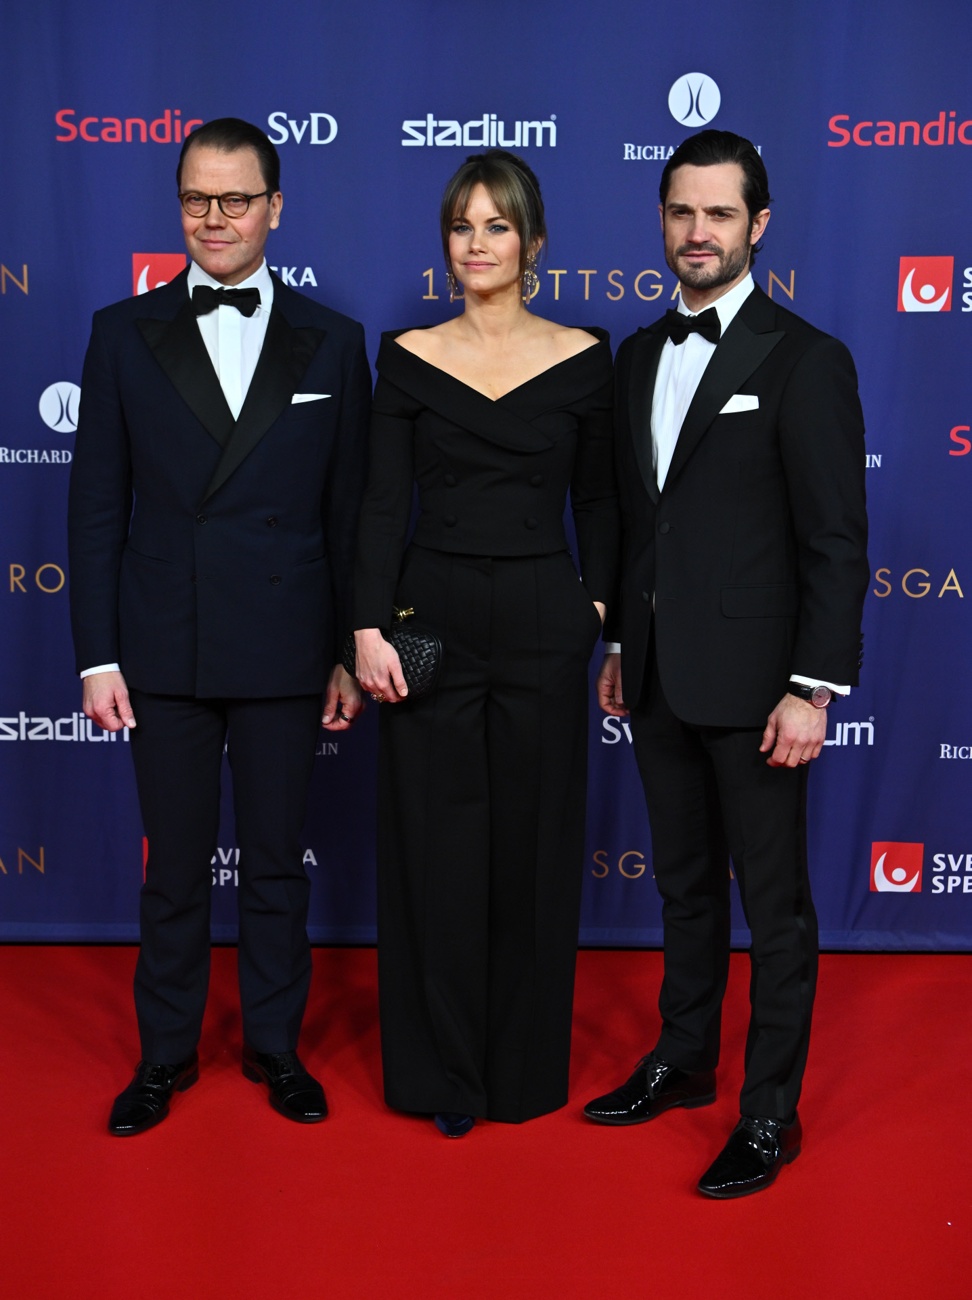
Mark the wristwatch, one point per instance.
(818, 696)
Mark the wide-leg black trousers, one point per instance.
(481, 839)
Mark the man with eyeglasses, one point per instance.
(214, 493)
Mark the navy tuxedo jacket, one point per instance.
(208, 556)
(751, 562)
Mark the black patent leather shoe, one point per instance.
(756, 1152)
(654, 1088)
(145, 1102)
(293, 1092)
(452, 1124)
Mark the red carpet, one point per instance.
(226, 1198)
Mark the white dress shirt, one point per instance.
(234, 343)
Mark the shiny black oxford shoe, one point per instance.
(654, 1088)
(756, 1152)
(145, 1102)
(293, 1092)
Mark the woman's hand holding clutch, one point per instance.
(379, 669)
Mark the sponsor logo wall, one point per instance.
(871, 193)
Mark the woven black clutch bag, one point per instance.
(419, 650)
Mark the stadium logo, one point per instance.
(694, 99)
(925, 283)
(75, 727)
(58, 406)
(486, 132)
(896, 868)
(152, 270)
(322, 126)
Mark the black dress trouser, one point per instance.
(177, 747)
(711, 796)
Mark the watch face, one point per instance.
(821, 696)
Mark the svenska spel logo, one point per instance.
(896, 867)
(925, 283)
(152, 270)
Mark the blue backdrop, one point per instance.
(865, 122)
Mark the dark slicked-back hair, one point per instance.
(227, 134)
(513, 188)
(708, 149)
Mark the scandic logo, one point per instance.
(896, 867)
(925, 283)
(152, 270)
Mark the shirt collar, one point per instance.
(260, 279)
(728, 305)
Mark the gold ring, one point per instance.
(378, 698)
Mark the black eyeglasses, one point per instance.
(231, 205)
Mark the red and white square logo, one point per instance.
(150, 270)
(896, 867)
(925, 283)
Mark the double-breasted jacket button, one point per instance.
(450, 521)
(201, 519)
(274, 579)
(664, 528)
(530, 522)
(271, 521)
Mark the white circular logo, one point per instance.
(58, 406)
(694, 99)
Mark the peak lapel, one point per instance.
(740, 351)
(180, 351)
(284, 358)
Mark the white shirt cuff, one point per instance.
(819, 681)
(102, 668)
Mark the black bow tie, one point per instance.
(679, 326)
(206, 299)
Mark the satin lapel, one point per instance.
(738, 354)
(643, 367)
(287, 352)
(180, 351)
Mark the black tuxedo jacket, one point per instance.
(208, 556)
(751, 562)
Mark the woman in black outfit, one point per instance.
(495, 414)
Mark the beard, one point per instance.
(731, 264)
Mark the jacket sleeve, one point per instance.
(594, 498)
(346, 481)
(387, 506)
(821, 430)
(99, 507)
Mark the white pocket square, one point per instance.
(740, 402)
(308, 397)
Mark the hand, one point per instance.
(104, 699)
(609, 695)
(795, 733)
(343, 701)
(378, 666)
(601, 608)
